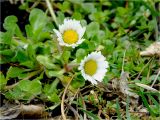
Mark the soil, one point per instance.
(12, 9)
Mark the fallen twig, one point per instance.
(32, 110)
(152, 50)
(10, 111)
(51, 11)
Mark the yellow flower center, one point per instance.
(90, 67)
(70, 36)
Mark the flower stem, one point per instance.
(63, 97)
(51, 11)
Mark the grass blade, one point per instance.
(118, 109)
(146, 103)
(127, 109)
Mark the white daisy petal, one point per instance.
(57, 33)
(89, 78)
(94, 67)
(70, 33)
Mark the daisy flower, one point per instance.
(70, 33)
(93, 67)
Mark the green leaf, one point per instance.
(31, 52)
(44, 60)
(65, 56)
(54, 73)
(121, 11)
(20, 55)
(4, 60)
(14, 94)
(50, 90)
(77, 16)
(77, 83)
(88, 7)
(29, 30)
(10, 19)
(83, 22)
(24, 85)
(43, 36)
(49, 27)
(53, 97)
(25, 90)
(80, 54)
(7, 52)
(35, 87)
(3, 81)
(14, 72)
(92, 29)
(100, 16)
(65, 6)
(10, 23)
(19, 34)
(91, 45)
(101, 35)
(29, 64)
(24, 6)
(105, 3)
(37, 19)
(43, 49)
(76, 1)
(60, 17)
(5, 38)
(109, 46)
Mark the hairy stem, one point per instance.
(51, 11)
